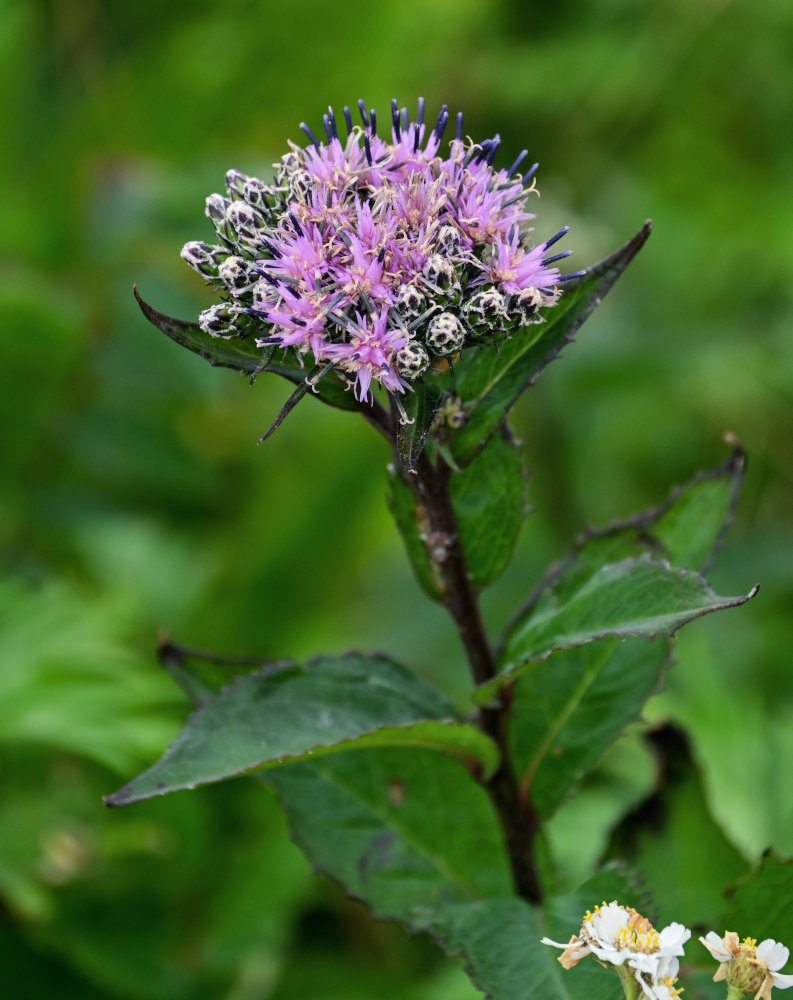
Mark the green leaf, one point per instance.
(241, 355)
(421, 407)
(403, 830)
(490, 503)
(287, 711)
(488, 382)
(569, 708)
(411, 520)
(500, 940)
(673, 831)
(635, 597)
(761, 904)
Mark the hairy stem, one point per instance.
(430, 483)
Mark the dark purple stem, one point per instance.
(430, 484)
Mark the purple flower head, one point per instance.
(379, 251)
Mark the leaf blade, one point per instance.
(489, 384)
(285, 712)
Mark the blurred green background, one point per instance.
(134, 497)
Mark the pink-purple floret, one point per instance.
(354, 225)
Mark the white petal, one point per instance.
(773, 953)
(556, 944)
(715, 946)
(610, 954)
(782, 981)
(672, 938)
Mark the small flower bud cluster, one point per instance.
(378, 255)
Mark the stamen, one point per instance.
(348, 119)
(395, 120)
(415, 138)
(569, 277)
(405, 120)
(420, 115)
(440, 126)
(367, 149)
(493, 145)
(332, 117)
(530, 172)
(381, 255)
(459, 134)
(312, 138)
(296, 224)
(373, 117)
(521, 157)
(362, 109)
(555, 239)
(558, 256)
(326, 123)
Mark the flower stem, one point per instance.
(430, 483)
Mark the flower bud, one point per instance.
(201, 257)
(412, 360)
(448, 241)
(234, 272)
(219, 320)
(235, 182)
(445, 334)
(300, 184)
(441, 273)
(410, 301)
(526, 306)
(486, 308)
(245, 221)
(216, 207)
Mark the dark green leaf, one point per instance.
(635, 597)
(673, 831)
(500, 940)
(488, 382)
(244, 356)
(241, 355)
(761, 904)
(569, 708)
(287, 712)
(412, 523)
(421, 407)
(403, 830)
(489, 500)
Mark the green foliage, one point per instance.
(490, 504)
(133, 496)
(286, 712)
(403, 830)
(491, 383)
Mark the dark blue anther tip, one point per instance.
(569, 277)
(367, 149)
(459, 125)
(420, 114)
(558, 256)
(520, 158)
(555, 239)
(312, 138)
(347, 119)
(326, 125)
(362, 109)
